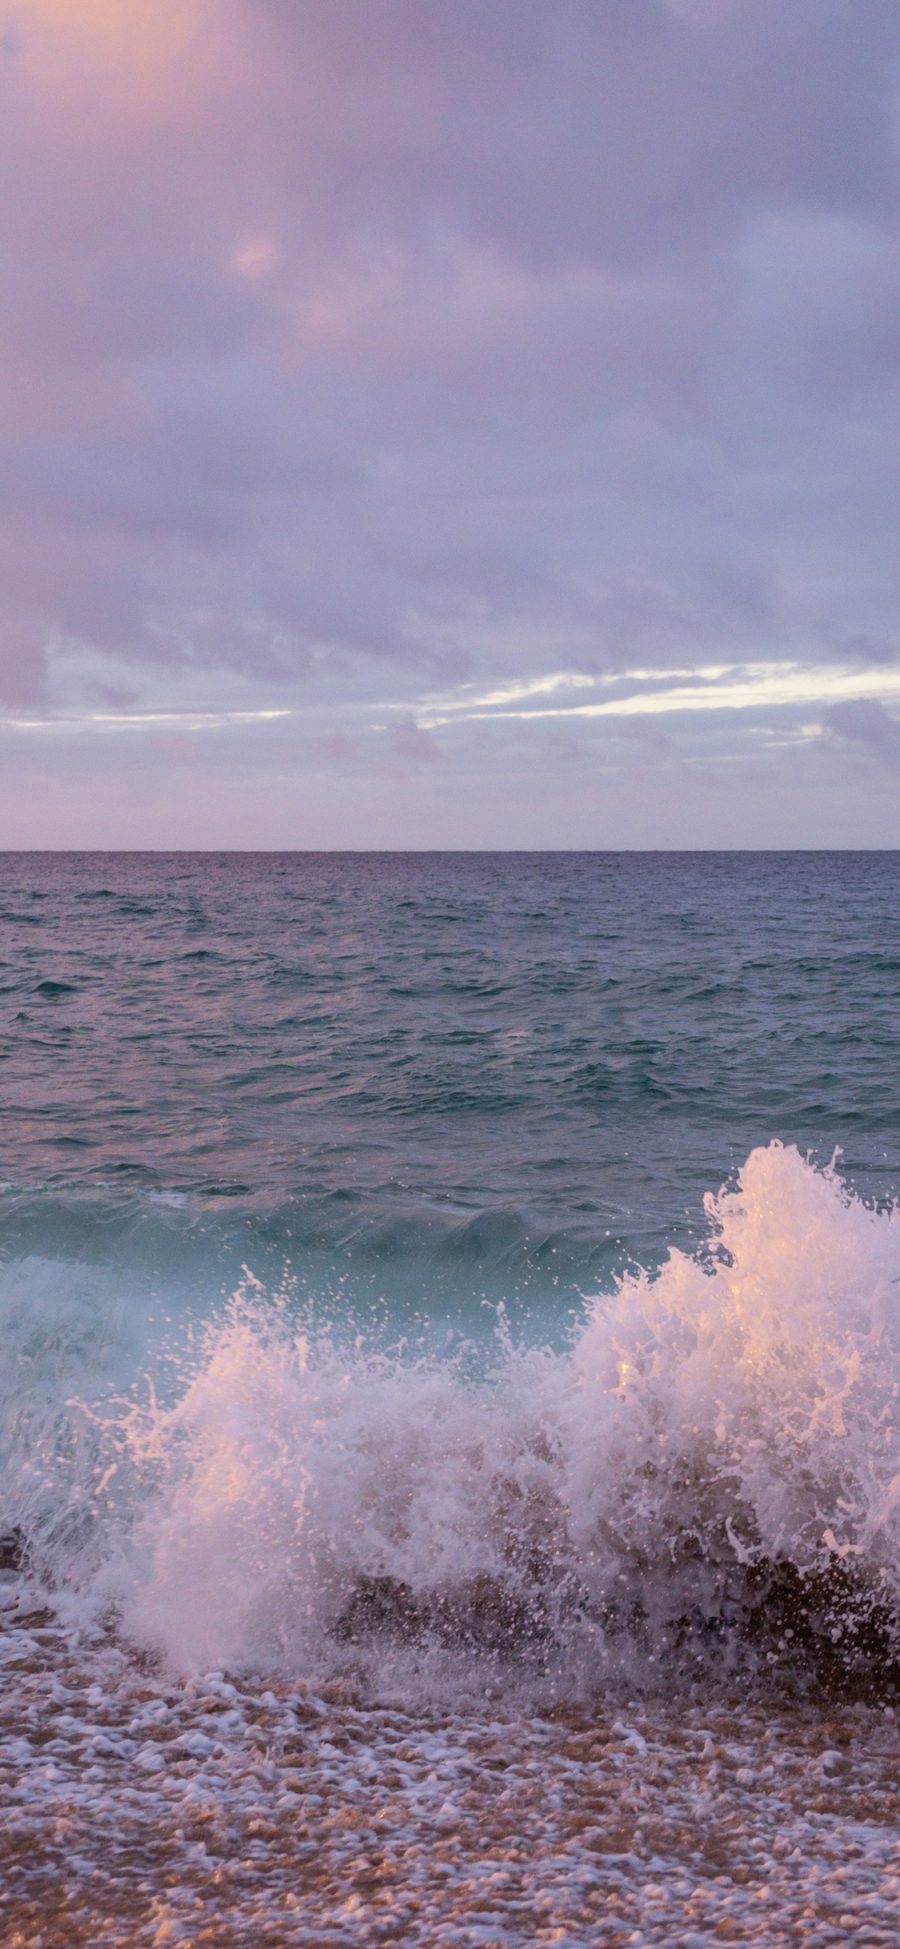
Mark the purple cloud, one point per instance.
(351, 352)
(865, 723)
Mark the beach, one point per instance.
(232, 1811)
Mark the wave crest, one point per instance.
(708, 1472)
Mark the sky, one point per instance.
(449, 423)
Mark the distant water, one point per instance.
(429, 1079)
(447, 1284)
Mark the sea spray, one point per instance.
(716, 1439)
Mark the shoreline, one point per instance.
(231, 1811)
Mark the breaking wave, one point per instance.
(706, 1478)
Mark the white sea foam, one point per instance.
(289, 1501)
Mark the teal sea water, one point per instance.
(363, 1242)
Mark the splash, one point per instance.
(709, 1470)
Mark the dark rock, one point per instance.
(480, 1614)
(832, 1621)
(13, 1549)
(831, 1628)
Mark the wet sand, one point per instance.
(229, 1811)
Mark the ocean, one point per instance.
(449, 1399)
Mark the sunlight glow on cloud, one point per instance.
(256, 257)
(470, 699)
(758, 686)
(142, 40)
(107, 721)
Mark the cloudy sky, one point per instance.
(450, 422)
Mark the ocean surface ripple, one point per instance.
(450, 1310)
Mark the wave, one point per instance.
(705, 1478)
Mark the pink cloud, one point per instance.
(411, 744)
